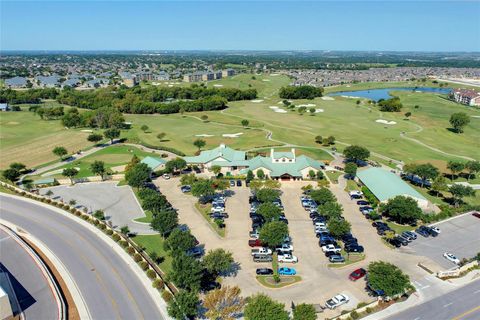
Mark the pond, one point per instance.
(377, 94)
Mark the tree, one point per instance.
(199, 143)
(224, 303)
(250, 175)
(386, 277)
(134, 161)
(473, 167)
(260, 174)
(267, 195)
(407, 114)
(455, 167)
(111, 134)
(161, 136)
(179, 241)
(153, 201)
(11, 174)
(273, 233)
(319, 139)
(164, 222)
(186, 272)
(331, 210)
(175, 165)
(184, 305)
(17, 166)
(98, 168)
(144, 128)
(338, 227)
(356, 153)
(262, 307)
(60, 152)
(245, 123)
(320, 175)
(312, 111)
(459, 120)
(70, 173)
(204, 117)
(218, 261)
(99, 214)
(459, 191)
(322, 196)
(439, 184)
(216, 169)
(331, 140)
(304, 311)
(425, 171)
(311, 174)
(125, 230)
(301, 110)
(401, 209)
(95, 138)
(203, 188)
(351, 169)
(269, 211)
(138, 175)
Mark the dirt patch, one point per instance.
(72, 312)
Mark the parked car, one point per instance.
(476, 214)
(264, 271)
(378, 223)
(285, 271)
(287, 258)
(409, 235)
(166, 176)
(423, 231)
(357, 274)
(239, 183)
(287, 248)
(395, 242)
(220, 216)
(262, 258)
(355, 196)
(436, 229)
(186, 188)
(336, 259)
(195, 252)
(261, 251)
(232, 183)
(337, 301)
(254, 234)
(217, 209)
(363, 203)
(255, 243)
(402, 240)
(432, 232)
(354, 248)
(331, 247)
(451, 257)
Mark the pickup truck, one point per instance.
(337, 301)
(261, 251)
(331, 248)
(255, 243)
(284, 248)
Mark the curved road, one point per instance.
(108, 285)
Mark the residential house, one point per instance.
(48, 81)
(218, 74)
(16, 82)
(154, 163)
(228, 73)
(468, 97)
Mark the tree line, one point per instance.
(300, 92)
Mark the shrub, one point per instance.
(143, 265)
(167, 296)
(368, 310)
(276, 278)
(361, 305)
(102, 226)
(85, 217)
(158, 284)
(124, 243)
(72, 210)
(137, 257)
(130, 250)
(96, 222)
(78, 213)
(354, 315)
(116, 237)
(109, 232)
(48, 200)
(151, 274)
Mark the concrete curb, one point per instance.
(147, 283)
(70, 283)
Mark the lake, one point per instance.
(377, 94)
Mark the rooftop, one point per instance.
(153, 162)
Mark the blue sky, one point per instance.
(231, 25)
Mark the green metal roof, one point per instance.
(221, 152)
(153, 162)
(44, 181)
(386, 185)
(279, 155)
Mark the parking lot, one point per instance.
(119, 203)
(459, 236)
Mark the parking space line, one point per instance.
(448, 304)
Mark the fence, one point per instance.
(457, 272)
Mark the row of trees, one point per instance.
(32, 96)
(332, 210)
(300, 92)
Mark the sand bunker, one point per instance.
(280, 111)
(204, 135)
(86, 130)
(119, 168)
(328, 98)
(385, 121)
(266, 80)
(170, 85)
(273, 107)
(257, 101)
(319, 110)
(13, 122)
(218, 85)
(232, 135)
(274, 75)
(307, 105)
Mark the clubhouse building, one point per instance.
(283, 166)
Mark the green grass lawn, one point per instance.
(147, 219)
(25, 138)
(349, 259)
(398, 228)
(333, 175)
(113, 156)
(154, 243)
(269, 282)
(351, 186)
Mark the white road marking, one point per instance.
(417, 318)
(448, 304)
(478, 291)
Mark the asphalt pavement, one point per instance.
(108, 285)
(460, 304)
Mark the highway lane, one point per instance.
(108, 285)
(460, 304)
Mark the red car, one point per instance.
(357, 274)
(255, 243)
(476, 214)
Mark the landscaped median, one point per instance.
(350, 258)
(275, 280)
(205, 210)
